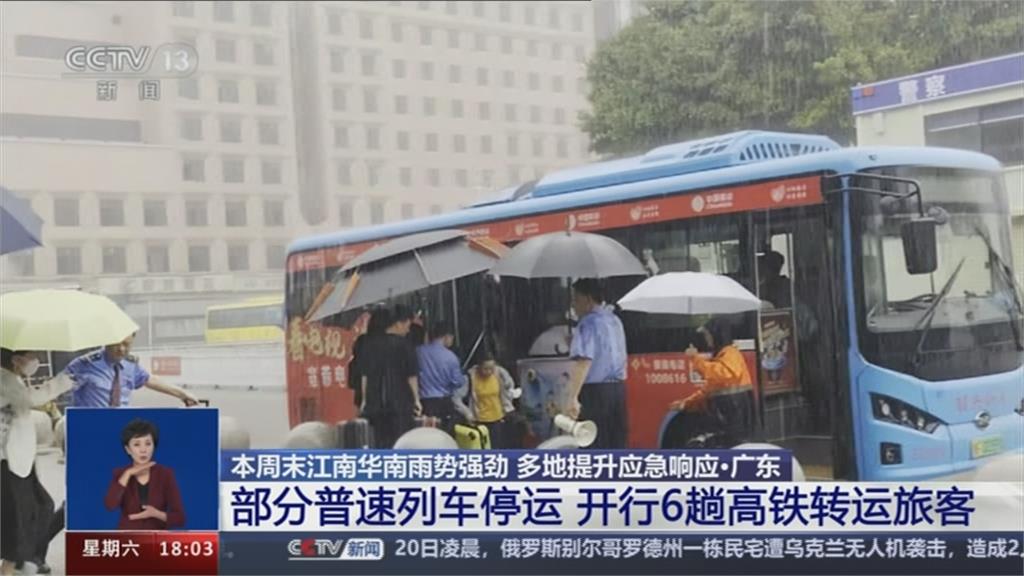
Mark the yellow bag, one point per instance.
(476, 437)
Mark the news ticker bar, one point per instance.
(620, 553)
(157, 553)
(506, 465)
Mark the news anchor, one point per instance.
(146, 492)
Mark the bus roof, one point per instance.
(251, 303)
(701, 164)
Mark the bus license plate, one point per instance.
(981, 447)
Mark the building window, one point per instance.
(455, 74)
(341, 136)
(115, 260)
(434, 177)
(234, 170)
(505, 12)
(482, 76)
(227, 91)
(558, 84)
(487, 178)
(373, 173)
(512, 145)
(486, 144)
(401, 104)
(266, 93)
(369, 64)
(484, 110)
(514, 176)
(408, 211)
(429, 106)
(238, 257)
(535, 114)
(198, 258)
(538, 146)
(559, 115)
(263, 54)
(396, 32)
(158, 260)
(235, 213)
(230, 130)
(510, 113)
(337, 61)
(188, 88)
(273, 213)
(193, 170)
(480, 40)
(111, 212)
(426, 36)
(269, 132)
(509, 78)
(478, 9)
(185, 9)
(534, 81)
(453, 39)
(430, 144)
(69, 260)
(994, 130)
(334, 25)
(373, 137)
(366, 28)
(270, 171)
(370, 100)
(405, 176)
(224, 11)
(506, 44)
(346, 212)
(275, 256)
(459, 143)
(339, 99)
(260, 14)
(562, 147)
(436, 209)
(377, 211)
(580, 53)
(154, 212)
(554, 16)
(427, 71)
(531, 48)
(556, 51)
(344, 173)
(65, 212)
(192, 128)
(457, 109)
(451, 8)
(530, 14)
(402, 140)
(196, 214)
(462, 178)
(224, 50)
(398, 68)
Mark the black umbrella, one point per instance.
(405, 265)
(569, 255)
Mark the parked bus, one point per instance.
(890, 348)
(256, 320)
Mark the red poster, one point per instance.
(317, 366)
(165, 366)
(778, 352)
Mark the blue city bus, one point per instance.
(889, 346)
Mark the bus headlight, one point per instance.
(894, 411)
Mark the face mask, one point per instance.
(30, 368)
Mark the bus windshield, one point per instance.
(979, 308)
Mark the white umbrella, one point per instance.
(690, 293)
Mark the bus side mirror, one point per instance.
(920, 245)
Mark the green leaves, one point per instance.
(693, 68)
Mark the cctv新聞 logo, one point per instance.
(176, 60)
(328, 549)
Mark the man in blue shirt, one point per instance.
(106, 378)
(597, 388)
(440, 375)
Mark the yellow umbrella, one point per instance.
(61, 320)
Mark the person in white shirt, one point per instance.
(26, 508)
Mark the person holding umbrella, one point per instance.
(727, 397)
(29, 521)
(597, 385)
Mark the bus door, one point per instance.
(796, 334)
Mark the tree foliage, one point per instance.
(691, 68)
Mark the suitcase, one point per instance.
(356, 433)
(476, 437)
(428, 422)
